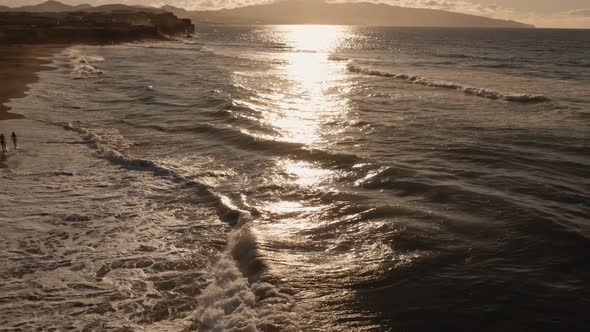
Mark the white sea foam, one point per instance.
(230, 302)
(109, 143)
(82, 64)
(177, 45)
(472, 91)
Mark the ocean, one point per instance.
(303, 178)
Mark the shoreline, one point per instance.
(19, 67)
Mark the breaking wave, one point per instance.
(107, 143)
(263, 143)
(471, 91)
(232, 303)
(236, 299)
(334, 57)
(176, 45)
(82, 64)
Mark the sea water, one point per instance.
(314, 178)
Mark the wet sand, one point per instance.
(19, 65)
(3, 158)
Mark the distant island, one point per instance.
(299, 12)
(358, 13)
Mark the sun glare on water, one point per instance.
(318, 38)
(313, 96)
(311, 79)
(305, 92)
(303, 95)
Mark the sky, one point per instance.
(542, 13)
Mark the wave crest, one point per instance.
(82, 64)
(232, 301)
(334, 57)
(471, 91)
(107, 145)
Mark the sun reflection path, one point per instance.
(312, 93)
(306, 174)
(316, 38)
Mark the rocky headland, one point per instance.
(89, 27)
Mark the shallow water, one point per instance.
(305, 178)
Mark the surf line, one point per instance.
(237, 296)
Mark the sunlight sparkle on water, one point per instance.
(314, 38)
(305, 173)
(309, 77)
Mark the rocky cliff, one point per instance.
(85, 27)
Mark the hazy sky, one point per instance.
(542, 13)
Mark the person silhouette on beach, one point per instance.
(13, 139)
(3, 143)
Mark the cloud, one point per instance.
(576, 19)
(560, 19)
(581, 12)
(460, 6)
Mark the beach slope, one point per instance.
(18, 68)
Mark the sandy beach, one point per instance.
(19, 65)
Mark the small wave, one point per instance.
(42, 174)
(472, 91)
(304, 51)
(255, 56)
(82, 64)
(526, 98)
(264, 143)
(497, 65)
(470, 56)
(180, 45)
(454, 55)
(106, 148)
(334, 57)
(189, 40)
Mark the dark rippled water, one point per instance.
(315, 178)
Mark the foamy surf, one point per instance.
(231, 302)
(334, 57)
(106, 146)
(82, 64)
(471, 91)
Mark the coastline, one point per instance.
(19, 67)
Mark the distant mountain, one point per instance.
(52, 6)
(303, 12)
(360, 13)
(46, 7)
(118, 7)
